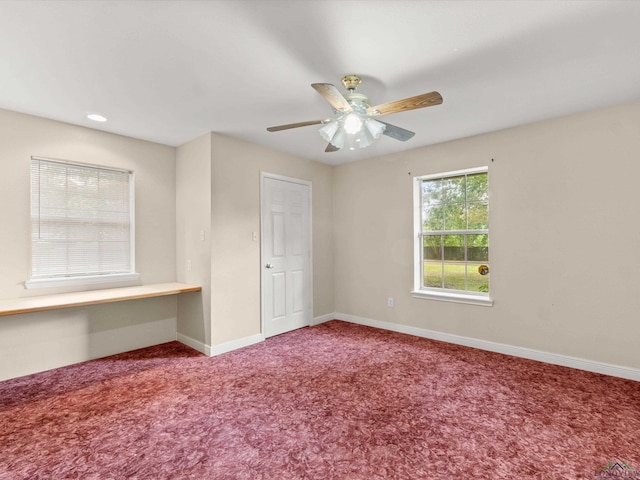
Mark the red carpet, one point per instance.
(335, 401)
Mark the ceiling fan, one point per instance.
(356, 123)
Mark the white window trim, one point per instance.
(431, 293)
(453, 297)
(82, 280)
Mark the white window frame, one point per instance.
(87, 279)
(419, 291)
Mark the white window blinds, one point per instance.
(81, 220)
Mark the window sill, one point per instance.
(89, 280)
(453, 297)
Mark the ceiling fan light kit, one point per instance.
(354, 125)
(353, 130)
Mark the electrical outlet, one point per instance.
(390, 302)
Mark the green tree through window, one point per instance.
(455, 232)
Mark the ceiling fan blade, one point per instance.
(331, 148)
(333, 96)
(396, 132)
(419, 101)
(296, 125)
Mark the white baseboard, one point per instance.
(323, 318)
(541, 356)
(236, 344)
(195, 344)
(213, 350)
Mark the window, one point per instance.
(452, 236)
(81, 224)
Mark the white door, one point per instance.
(286, 254)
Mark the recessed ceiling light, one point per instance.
(96, 117)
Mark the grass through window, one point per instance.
(454, 277)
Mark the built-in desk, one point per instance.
(42, 303)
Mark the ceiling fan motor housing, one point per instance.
(358, 102)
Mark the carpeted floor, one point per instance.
(335, 401)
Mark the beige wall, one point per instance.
(565, 237)
(235, 215)
(35, 342)
(193, 238)
(218, 193)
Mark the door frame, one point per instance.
(283, 178)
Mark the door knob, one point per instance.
(268, 265)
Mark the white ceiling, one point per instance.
(169, 71)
